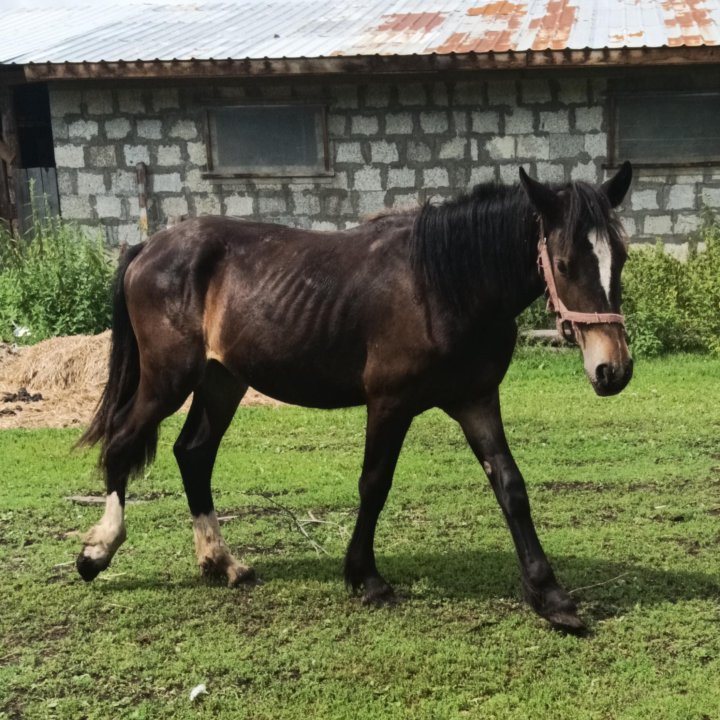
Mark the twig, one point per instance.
(317, 521)
(316, 546)
(598, 584)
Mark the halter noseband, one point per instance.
(568, 320)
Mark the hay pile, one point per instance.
(70, 373)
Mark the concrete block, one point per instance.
(59, 128)
(412, 94)
(508, 173)
(644, 200)
(482, 174)
(165, 182)
(98, 102)
(589, 119)
(520, 121)
(533, 147)
(501, 148)
(461, 121)
(90, 183)
(166, 98)
(468, 93)
(486, 121)
(323, 225)
(550, 172)
(117, 128)
(67, 182)
(151, 129)
(239, 205)
(418, 152)
(71, 156)
(573, 91)
(168, 155)
(349, 152)
(306, 203)
(75, 207)
(108, 206)
(686, 223)
(345, 96)
(371, 202)
(710, 197)
(435, 177)
(399, 123)
(566, 146)
(364, 125)
(129, 234)
(535, 90)
(173, 206)
(272, 205)
(195, 182)
(596, 145)
(184, 129)
(585, 171)
(337, 125)
(123, 182)
(103, 156)
(64, 102)
(136, 153)
(439, 93)
(367, 179)
(680, 197)
(131, 101)
(207, 205)
(502, 92)
(454, 149)
(273, 91)
(85, 129)
(197, 153)
(401, 178)
(383, 152)
(377, 96)
(557, 121)
(657, 225)
(434, 122)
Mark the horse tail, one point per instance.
(124, 365)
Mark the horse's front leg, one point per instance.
(385, 433)
(482, 425)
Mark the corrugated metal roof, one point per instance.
(256, 29)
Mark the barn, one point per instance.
(314, 114)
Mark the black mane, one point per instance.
(486, 240)
(478, 240)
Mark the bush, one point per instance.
(55, 282)
(669, 305)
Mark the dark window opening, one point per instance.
(267, 140)
(666, 128)
(34, 128)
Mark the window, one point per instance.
(666, 128)
(267, 141)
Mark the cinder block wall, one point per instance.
(393, 144)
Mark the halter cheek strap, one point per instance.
(556, 305)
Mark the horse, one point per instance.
(408, 311)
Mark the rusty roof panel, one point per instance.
(275, 29)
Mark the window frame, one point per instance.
(324, 166)
(613, 129)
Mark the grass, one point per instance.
(626, 497)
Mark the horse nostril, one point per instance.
(604, 373)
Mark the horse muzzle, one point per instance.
(608, 364)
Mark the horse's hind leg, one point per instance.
(214, 403)
(131, 447)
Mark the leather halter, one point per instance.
(568, 320)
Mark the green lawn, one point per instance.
(626, 497)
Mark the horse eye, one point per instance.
(562, 267)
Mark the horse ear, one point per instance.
(617, 186)
(544, 200)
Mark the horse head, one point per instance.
(582, 250)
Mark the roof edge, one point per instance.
(375, 64)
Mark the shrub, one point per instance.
(55, 282)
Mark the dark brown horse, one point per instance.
(408, 311)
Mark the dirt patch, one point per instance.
(69, 373)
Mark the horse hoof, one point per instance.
(379, 595)
(88, 568)
(241, 575)
(567, 622)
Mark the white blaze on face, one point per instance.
(103, 539)
(601, 247)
